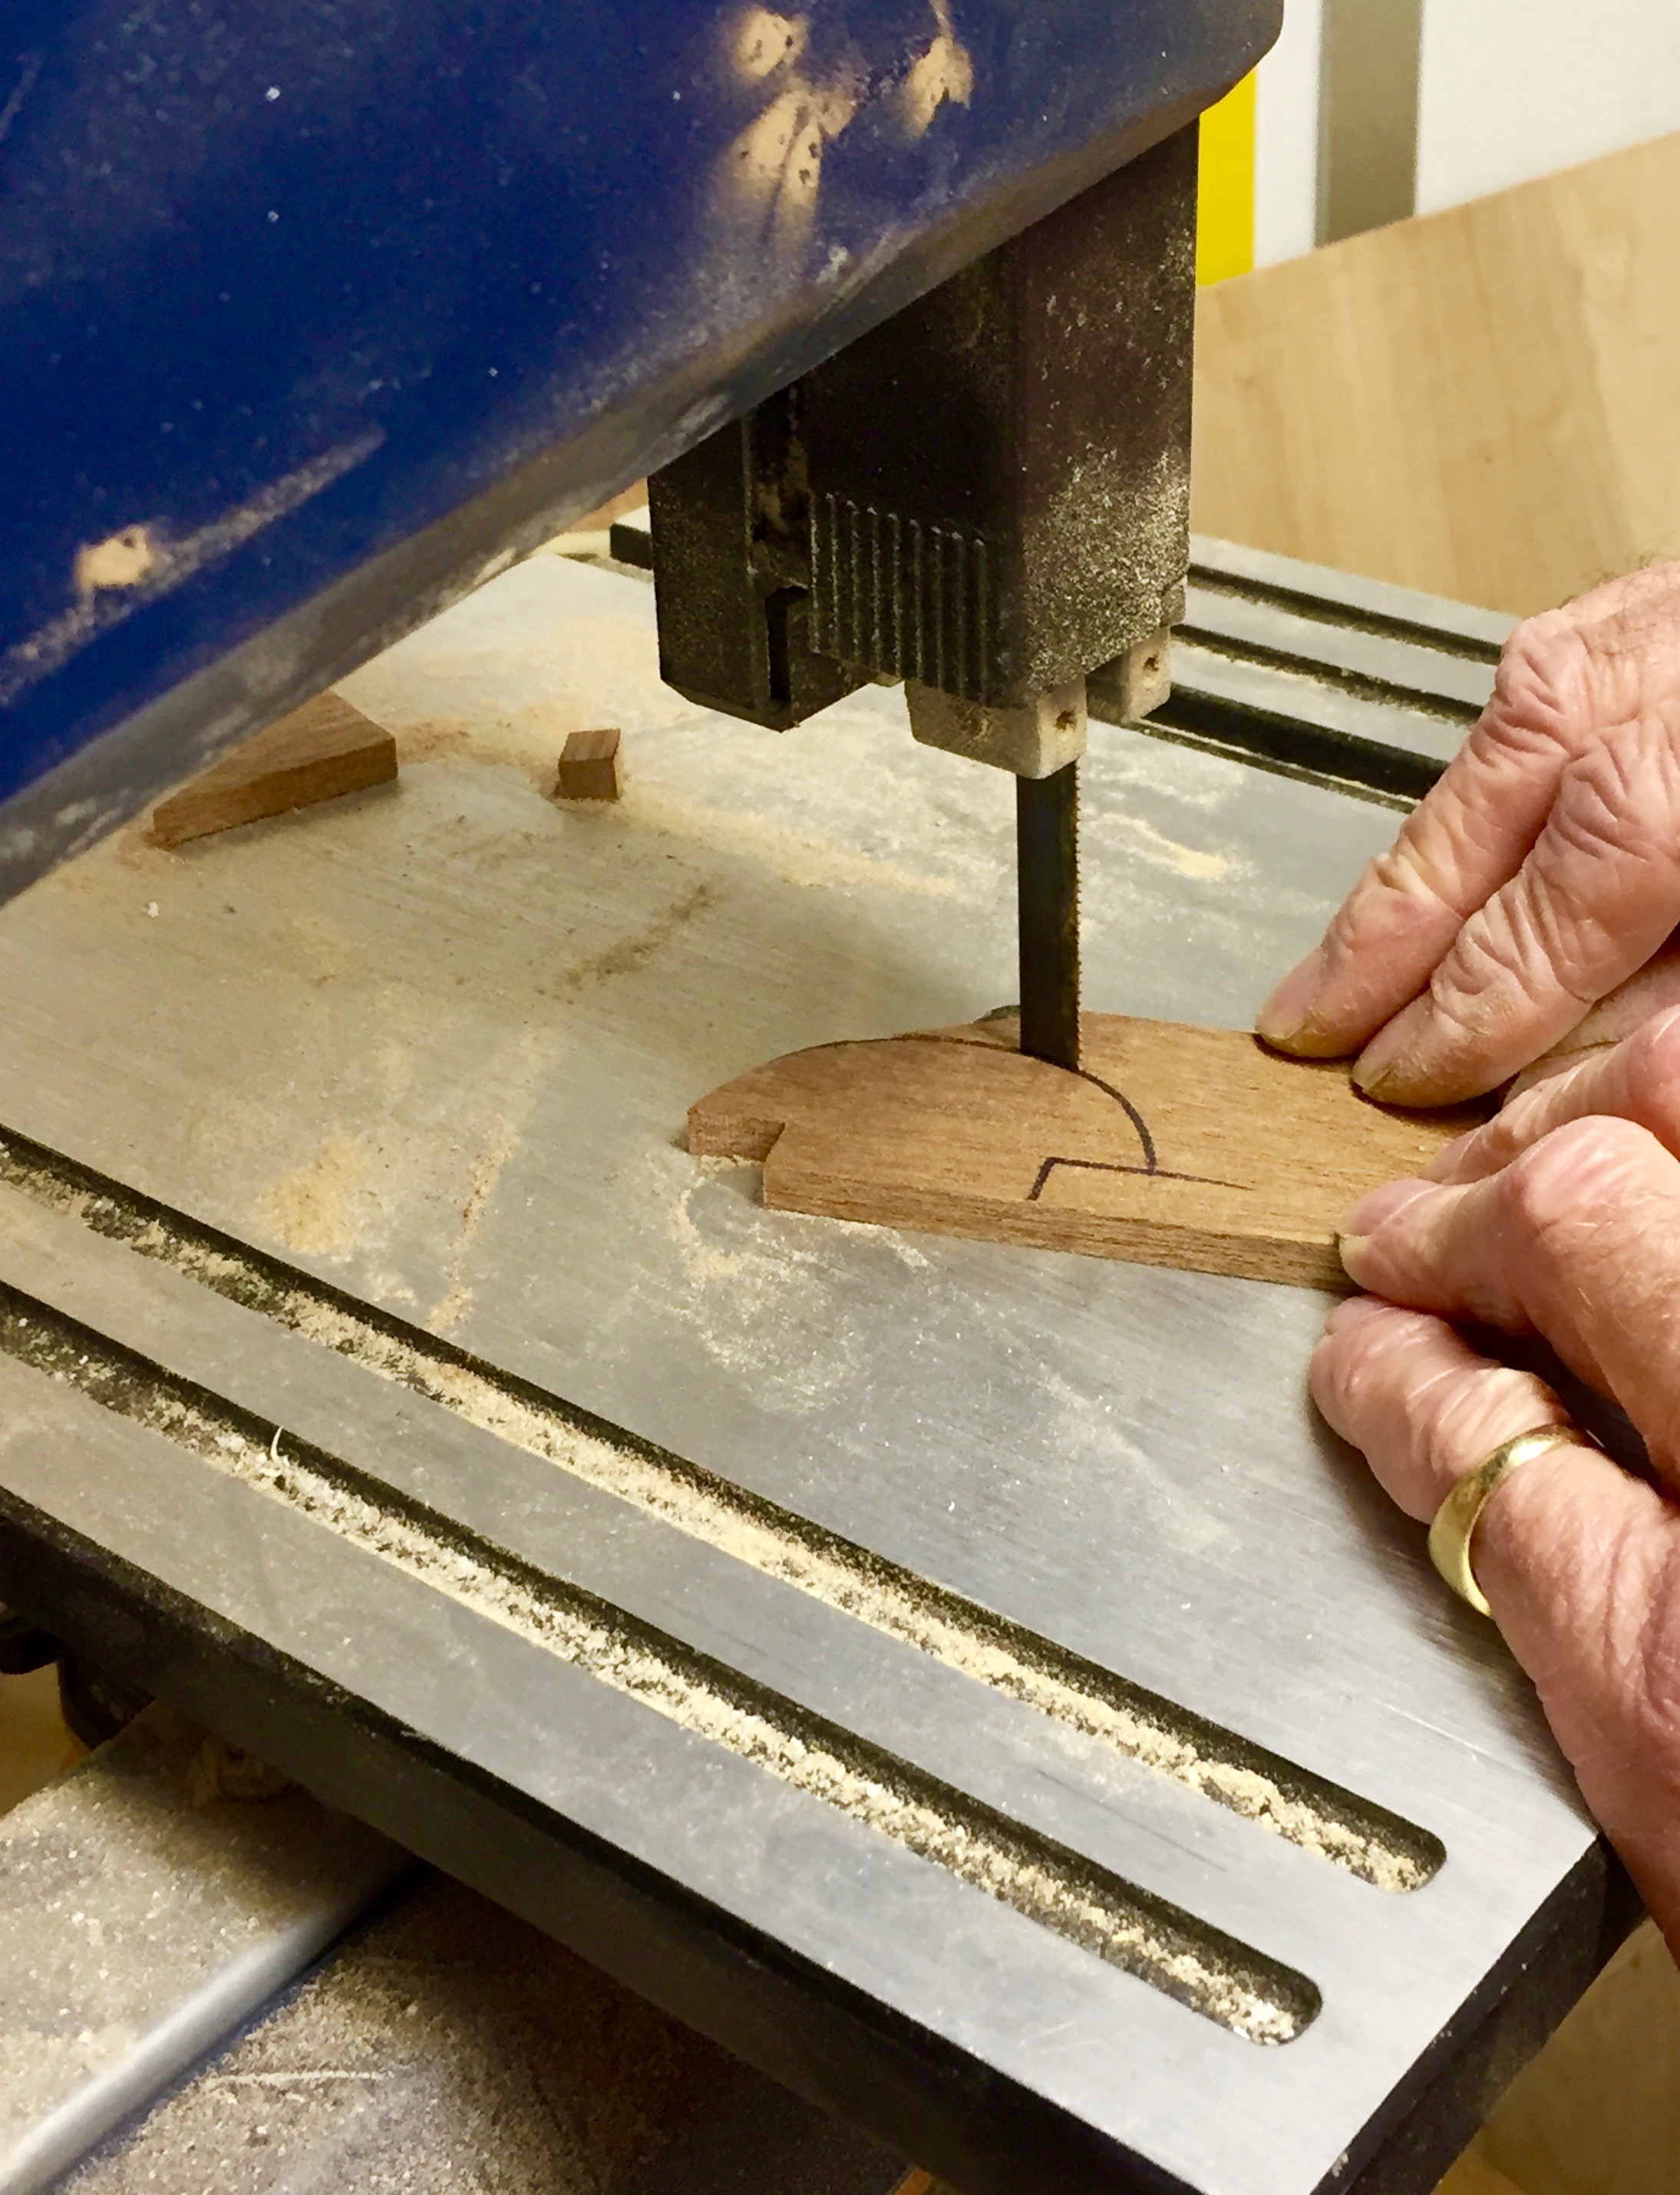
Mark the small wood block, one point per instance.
(1171, 1145)
(590, 768)
(320, 750)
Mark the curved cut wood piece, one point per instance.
(1171, 1145)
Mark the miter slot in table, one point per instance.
(1369, 1842)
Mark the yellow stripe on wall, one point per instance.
(1225, 211)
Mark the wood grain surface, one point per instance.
(318, 752)
(591, 766)
(1172, 1145)
(1474, 2176)
(1477, 402)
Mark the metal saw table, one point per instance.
(964, 1681)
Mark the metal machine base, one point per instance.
(967, 1683)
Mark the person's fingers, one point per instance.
(1580, 1563)
(1565, 680)
(1469, 834)
(1423, 1406)
(1650, 991)
(1638, 1080)
(1598, 893)
(1578, 1239)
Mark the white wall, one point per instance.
(1513, 89)
(1286, 133)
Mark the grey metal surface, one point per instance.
(1321, 588)
(1326, 672)
(143, 1914)
(1276, 632)
(1308, 698)
(1370, 79)
(447, 2048)
(435, 1047)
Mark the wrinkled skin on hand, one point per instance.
(1561, 1217)
(1522, 927)
(1526, 902)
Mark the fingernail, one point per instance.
(1379, 1205)
(1373, 1070)
(1292, 1002)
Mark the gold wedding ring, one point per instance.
(1456, 1520)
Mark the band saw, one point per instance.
(962, 1678)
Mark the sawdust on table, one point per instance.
(793, 856)
(317, 1208)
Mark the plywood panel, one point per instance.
(1473, 2175)
(1477, 402)
(1598, 2111)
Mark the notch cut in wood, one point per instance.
(1169, 1145)
(318, 752)
(590, 766)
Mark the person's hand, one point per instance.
(1541, 873)
(1560, 1217)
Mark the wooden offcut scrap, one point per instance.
(320, 750)
(1171, 1145)
(590, 768)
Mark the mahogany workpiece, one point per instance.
(1170, 1145)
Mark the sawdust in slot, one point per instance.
(871, 1593)
(881, 1602)
(1218, 1977)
